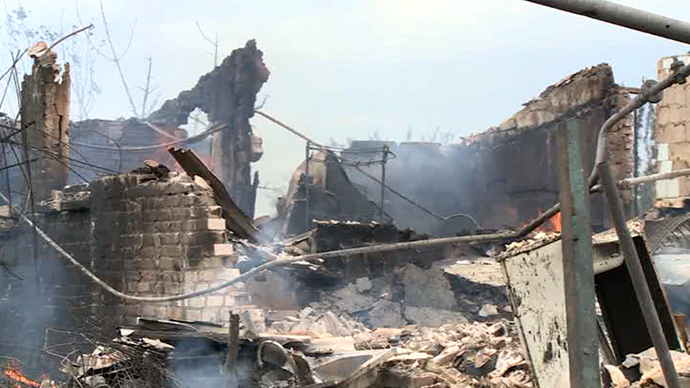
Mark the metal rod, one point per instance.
(636, 158)
(632, 261)
(624, 16)
(229, 368)
(306, 188)
(602, 142)
(383, 182)
(578, 268)
(606, 352)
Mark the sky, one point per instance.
(352, 68)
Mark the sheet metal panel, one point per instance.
(537, 293)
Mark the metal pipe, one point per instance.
(624, 16)
(383, 182)
(306, 188)
(632, 261)
(601, 155)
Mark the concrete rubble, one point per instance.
(453, 355)
(425, 316)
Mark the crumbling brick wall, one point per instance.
(142, 235)
(172, 240)
(672, 136)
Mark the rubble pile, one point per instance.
(163, 353)
(314, 323)
(455, 291)
(643, 370)
(462, 355)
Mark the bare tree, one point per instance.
(213, 42)
(148, 90)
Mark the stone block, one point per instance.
(212, 224)
(159, 215)
(213, 263)
(214, 315)
(191, 276)
(663, 152)
(215, 301)
(199, 200)
(174, 251)
(198, 302)
(169, 201)
(223, 249)
(226, 273)
(145, 263)
(208, 275)
(192, 314)
(143, 287)
(679, 151)
(168, 263)
(176, 313)
(672, 133)
(172, 288)
(679, 187)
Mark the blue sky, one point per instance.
(349, 68)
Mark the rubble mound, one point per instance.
(461, 355)
(457, 292)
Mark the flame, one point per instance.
(553, 225)
(18, 376)
(556, 222)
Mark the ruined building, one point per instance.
(501, 177)
(152, 221)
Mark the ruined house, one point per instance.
(149, 232)
(506, 175)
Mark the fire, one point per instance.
(556, 222)
(18, 376)
(553, 225)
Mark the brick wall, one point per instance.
(672, 135)
(141, 235)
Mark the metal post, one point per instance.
(383, 181)
(307, 214)
(578, 268)
(632, 261)
(624, 16)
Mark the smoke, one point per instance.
(199, 362)
(428, 174)
(32, 299)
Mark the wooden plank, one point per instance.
(236, 220)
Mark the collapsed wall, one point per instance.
(143, 234)
(506, 175)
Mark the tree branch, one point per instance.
(116, 60)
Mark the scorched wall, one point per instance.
(144, 235)
(506, 175)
